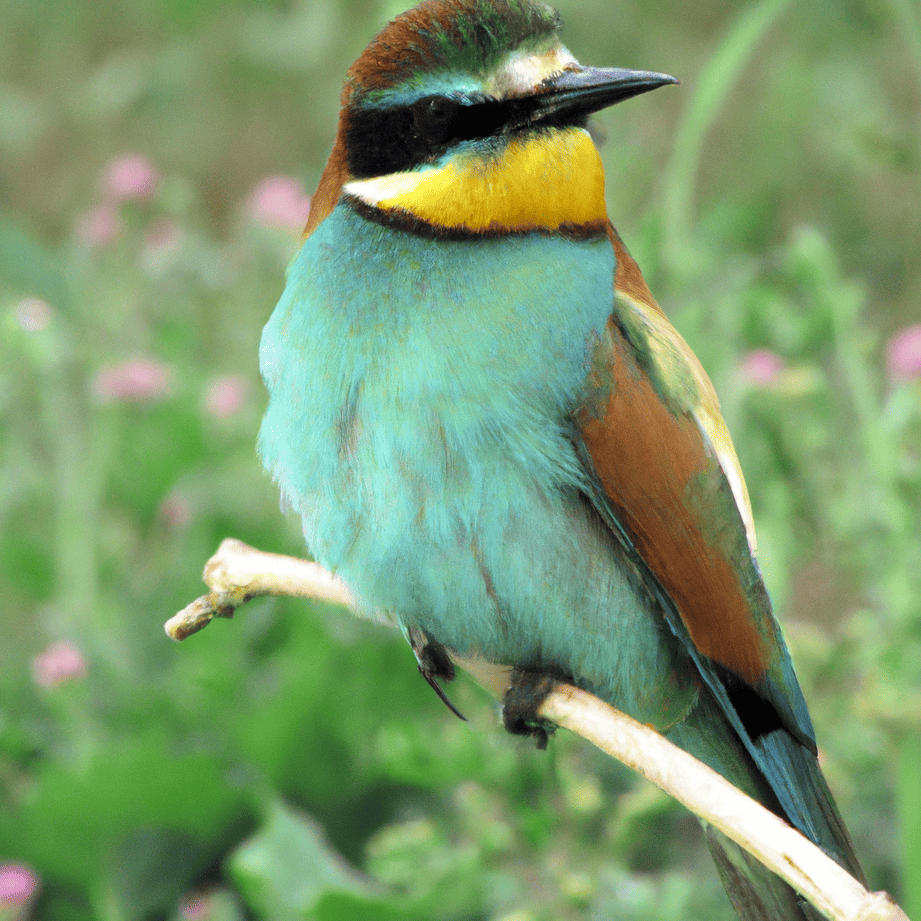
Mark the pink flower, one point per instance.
(140, 380)
(60, 662)
(761, 367)
(17, 884)
(225, 396)
(33, 315)
(129, 177)
(99, 226)
(280, 201)
(196, 906)
(175, 510)
(903, 354)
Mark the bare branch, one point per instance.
(830, 888)
(238, 572)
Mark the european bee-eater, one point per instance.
(494, 436)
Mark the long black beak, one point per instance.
(579, 93)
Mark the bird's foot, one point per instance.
(523, 699)
(435, 665)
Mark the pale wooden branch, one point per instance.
(238, 572)
(808, 869)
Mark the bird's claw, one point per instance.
(522, 703)
(434, 665)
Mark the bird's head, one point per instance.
(468, 117)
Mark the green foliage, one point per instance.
(286, 869)
(291, 763)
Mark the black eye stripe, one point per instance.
(433, 114)
(391, 140)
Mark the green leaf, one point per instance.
(346, 906)
(81, 821)
(287, 867)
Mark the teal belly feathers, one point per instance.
(414, 428)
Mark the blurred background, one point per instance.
(155, 165)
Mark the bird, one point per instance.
(494, 436)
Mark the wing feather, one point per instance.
(669, 484)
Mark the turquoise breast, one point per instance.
(420, 392)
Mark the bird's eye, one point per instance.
(433, 116)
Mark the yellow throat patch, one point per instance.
(540, 180)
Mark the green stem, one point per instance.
(910, 21)
(877, 443)
(714, 86)
(909, 803)
(77, 490)
(910, 27)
